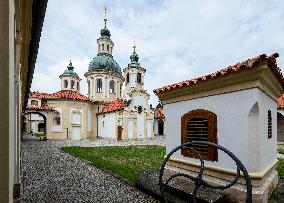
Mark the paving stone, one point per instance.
(50, 175)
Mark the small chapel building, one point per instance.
(235, 107)
(107, 111)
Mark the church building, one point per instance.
(105, 112)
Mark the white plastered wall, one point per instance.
(232, 110)
(107, 125)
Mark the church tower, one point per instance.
(104, 76)
(134, 74)
(70, 80)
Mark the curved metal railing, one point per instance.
(198, 180)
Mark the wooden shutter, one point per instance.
(200, 125)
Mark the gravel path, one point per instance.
(158, 140)
(50, 175)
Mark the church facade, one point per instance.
(107, 111)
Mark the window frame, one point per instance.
(139, 78)
(65, 83)
(212, 154)
(111, 87)
(127, 78)
(72, 84)
(99, 83)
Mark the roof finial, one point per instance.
(105, 15)
(70, 63)
(134, 43)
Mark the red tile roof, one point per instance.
(63, 94)
(280, 102)
(38, 95)
(159, 113)
(67, 94)
(34, 107)
(247, 64)
(113, 106)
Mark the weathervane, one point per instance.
(105, 15)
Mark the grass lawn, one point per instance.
(280, 168)
(126, 161)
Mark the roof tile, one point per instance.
(247, 64)
(113, 106)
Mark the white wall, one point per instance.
(268, 152)
(130, 129)
(232, 110)
(89, 120)
(108, 130)
(149, 129)
(140, 125)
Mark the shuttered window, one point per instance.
(200, 125)
(269, 124)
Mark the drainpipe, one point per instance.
(98, 122)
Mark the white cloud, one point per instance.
(176, 40)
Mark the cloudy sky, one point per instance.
(176, 39)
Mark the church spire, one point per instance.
(105, 15)
(105, 32)
(134, 56)
(134, 43)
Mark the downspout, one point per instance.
(98, 122)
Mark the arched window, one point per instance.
(72, 84)
(56, 118)
(88, 87)
(103, 47)
(65, 83)
(108, 48)
(199, 125)
(99, 85)
(78, 86)
(120, 90)
(127, 78)
(138, 78)
(99, 47)
(111, 87)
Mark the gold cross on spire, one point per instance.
(105, 15)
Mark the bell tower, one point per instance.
(134, 73)
(70, 80)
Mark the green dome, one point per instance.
(70, 71)
(134, 59)
(104, 62)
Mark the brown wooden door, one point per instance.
(119, 132)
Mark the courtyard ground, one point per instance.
(50, 175)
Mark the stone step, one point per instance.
(179, 190)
